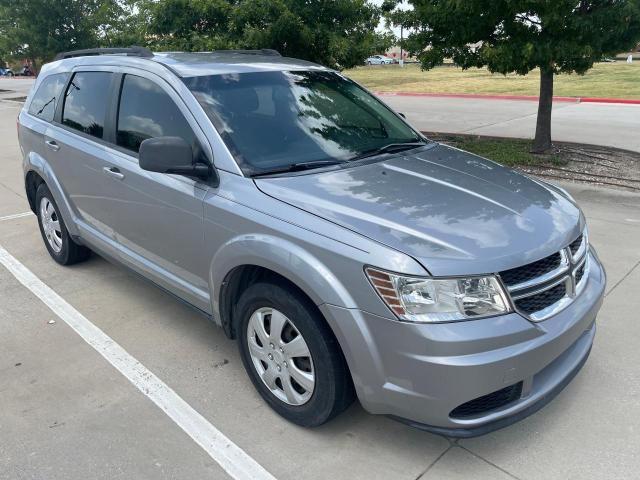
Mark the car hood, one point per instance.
(454, 212)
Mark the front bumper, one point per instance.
(420, 373)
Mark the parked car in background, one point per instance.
(6, 72)
(346, 253)
(25, 71)
(378, 60)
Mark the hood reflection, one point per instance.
(440, 204)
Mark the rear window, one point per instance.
(46, 97)
(86, 101)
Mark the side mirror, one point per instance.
(170, 155)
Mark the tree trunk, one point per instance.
(542, 142)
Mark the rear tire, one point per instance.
(306, 379)
(54, 232)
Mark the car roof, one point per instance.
(185, 64)
(211, 63)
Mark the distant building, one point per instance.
(394, 52)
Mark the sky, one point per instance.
(404, 5)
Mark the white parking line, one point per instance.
(227, 454)
(17, 215)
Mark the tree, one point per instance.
(397, 18)
(337, 33)
(38, 29)
(126, 24)
(188, 25)
(518, 36)
(383, 41)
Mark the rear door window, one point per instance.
(86, 101)
(47, 96)
(147, 111)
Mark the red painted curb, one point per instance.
(627, 101)
(476, 95)
(512, 97)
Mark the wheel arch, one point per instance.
(32, 181)
(251, 258)
(242, 277)
(37, 170)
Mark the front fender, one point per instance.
(283, 257)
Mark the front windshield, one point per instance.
(271, 120)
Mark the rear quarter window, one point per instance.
(47, 96)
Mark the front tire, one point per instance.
(54, 232)
(291, 356)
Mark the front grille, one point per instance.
(575, 245)
(580, 273)
(487, 403)
(530, 271)
(539, 301)
(540, 289)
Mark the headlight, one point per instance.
(433, 300)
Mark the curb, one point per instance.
(624, 101)
(529, 98)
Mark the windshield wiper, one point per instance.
(390, 148)
(299, 167)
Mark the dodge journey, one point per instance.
(348, 255)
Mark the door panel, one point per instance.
(158, 218)
(73, 147)
(78, 164)
(158, 224)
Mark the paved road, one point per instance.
(611, 125)
(65, 413)
(14, 87)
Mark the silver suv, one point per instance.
(347, 254)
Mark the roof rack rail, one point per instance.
(262, 51)
(133, 51)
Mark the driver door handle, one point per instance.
(113, 172)
(52, 145)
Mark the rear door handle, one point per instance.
(113, 172)
(52, 145)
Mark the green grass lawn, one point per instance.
(567, 161)
(614, 80)
(510, 152)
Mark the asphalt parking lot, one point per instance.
(67, 413)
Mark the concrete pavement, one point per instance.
(14, 87)
(611, 125)
(67, 414)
